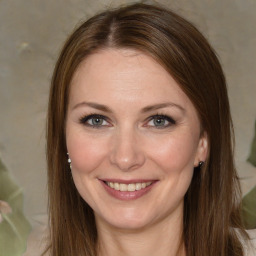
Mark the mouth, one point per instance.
(128, 190)
(128, 187)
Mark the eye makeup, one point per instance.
(158, 121)
(94, 120)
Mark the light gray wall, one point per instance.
(31, 34)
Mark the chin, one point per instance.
(131, 224)
(125, 220)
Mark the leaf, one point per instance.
(14, 227)
(252, 157)
(249, 209)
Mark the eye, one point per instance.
(160, 121)
(94, 120)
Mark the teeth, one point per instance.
(128, 187)
(131, 187)
(123, 187)
(138, 186)
(116, 186)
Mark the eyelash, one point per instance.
(169, 119)
(84, 120)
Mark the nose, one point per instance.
(126, 152)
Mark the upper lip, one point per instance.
(128, 181)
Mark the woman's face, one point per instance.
(133, 137)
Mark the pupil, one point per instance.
(97, 121)
(159, 121)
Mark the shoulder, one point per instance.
(38, 242)
(250, 246)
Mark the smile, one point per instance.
(128, 187)
(127, 190)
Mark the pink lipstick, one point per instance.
(127, 190)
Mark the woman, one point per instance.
(140, 141)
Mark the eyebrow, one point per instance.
(94, 105)
(162, 105)
(146, 109)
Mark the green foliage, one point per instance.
(14, 228)
(249, 200)
(249, 209)
(252, 157)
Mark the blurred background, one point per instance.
(32, 33)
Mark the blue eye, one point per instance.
(94, 121)
(160, 121)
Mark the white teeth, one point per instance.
(123, 187)
(138, 186)
(128, 187)
(131, 187)
(116, 186)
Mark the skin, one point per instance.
(128, 145)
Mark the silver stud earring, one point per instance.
(69, 161)
(200, 164)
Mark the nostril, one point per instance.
(126, 153)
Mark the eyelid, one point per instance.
(84, 119)
(161, 116)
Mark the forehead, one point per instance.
(120, 63)
(127, 75)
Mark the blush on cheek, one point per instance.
(174, 154)
(85, 156)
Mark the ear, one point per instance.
(202, 149)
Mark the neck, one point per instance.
(164, 238)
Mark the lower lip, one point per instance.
(127, 195)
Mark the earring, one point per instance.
(69, 161)
(200, 164)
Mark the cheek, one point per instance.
(174, 153)
(86, 152)
(174, 156)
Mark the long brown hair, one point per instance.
(212, 203)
